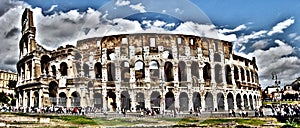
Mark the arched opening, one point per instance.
(77, 56)
(252, 76)
(125, 71)
(220, 100)
(53, 70)
(218, 73)
(217, 57)
(155, 99)
(98, 70)
(75, 99)
(36, 99)
(169, 100)
(53, 86)
(125, 100)
(195, 69)
(98, 100)
(230, 101)
(45, 62)
(251, 102)
(245, 101)
(140, 98)
(209, 104)
(78, 67)
(169, 76)
(248, 75)
(63, 69)
(182, 76)
(228, 74)
(86, 70)
(154, 70)
(255, 102)
(111, 101)
(111, 71)
(62, 101)
(90, 85)
(139, 70)
(183, 101)
(236, 73)
(207, 73)
(196, 101)
(242, 74)
(239, 101)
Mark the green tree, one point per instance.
(3, 98)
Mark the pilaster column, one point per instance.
(215, 100)
(30, 98)
(203, 102)
(24, 101)
(133, 101)
(104, 95)
(234, 102)
(225, 102)
(40, 98)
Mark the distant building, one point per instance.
(272, 93)
(5, 76)
(290, 94)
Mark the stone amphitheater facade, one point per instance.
(136, 71)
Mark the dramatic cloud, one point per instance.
(260, 44)
(281, 26)
(139, 7)
(253, 35)
(238, 28)
(122, 2)
(277, 59)
(51, 8)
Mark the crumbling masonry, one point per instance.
(136, 71)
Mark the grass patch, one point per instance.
(239, 121)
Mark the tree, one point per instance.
(3, 98)
(12, 84)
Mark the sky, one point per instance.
(267, 30)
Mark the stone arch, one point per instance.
(36, 99)
(64, 69)
(75, 99)
(207, 72)
(251, 102)
(242, 74)
(252, 76)
(238, 101)
(140, 98)
(196, 101)
(90, 85)
(169, 73)
(218, 73)
(62, 101)
(98, 70)
(53, 67)
(53, 90)
(45, 62)
(169, 101)
(111, 100)
(125, 100)
(230, 101)
(77, 56)
(86, 70)
(209, 104)
(248, 75)
(155, 99)
(228, 74)
(183, 101)
(195, 69)
(111, 71)
(217, 57)
(182, 75)
(236, 73)
(154, 70)
(245, 101)
(220, 101)
(98, 100)
(78, 67)
(125, 71)
(139, 67)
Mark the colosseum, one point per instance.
(136, 71)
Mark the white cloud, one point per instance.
(138, 7)
(253, 35)
(158, 23)
(122, 2)
(292, 35)
(51, 8)
(177, 10)
(260, 44)
(281, 26)
(238, 28)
